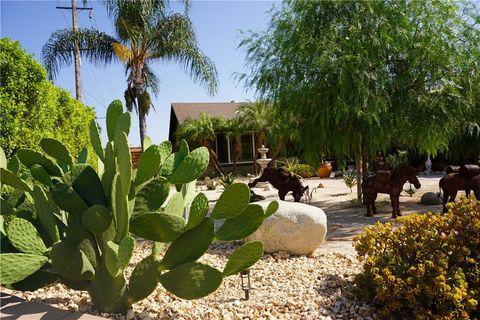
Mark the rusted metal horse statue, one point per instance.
(283, 181)
(466, 177)
(390, 183)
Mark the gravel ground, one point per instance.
(284, 287)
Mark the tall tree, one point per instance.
(360, 76)
(145, 32)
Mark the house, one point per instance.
(223, 145)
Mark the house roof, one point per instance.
(184, 111)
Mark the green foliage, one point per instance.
(426, 267)
(33, 108)
(90, 220)
(210, 183)
(304, 170)
(226, 180)
(395, 159)
(368, 75)
(350, 179)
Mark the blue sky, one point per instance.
(218, 25)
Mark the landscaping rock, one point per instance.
(430, 198)
(296, 228)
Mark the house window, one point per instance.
(226, 151)
(222, 148)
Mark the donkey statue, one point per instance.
(283, 181)
(390, 183)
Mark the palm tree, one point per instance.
(202, 131)
(145, 33)
(235, 128)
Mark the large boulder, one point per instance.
(296, 228)
(430, 198)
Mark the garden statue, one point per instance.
(283, 181)
(428, 166)
(390, 183)
(466, 177)
(263, 161)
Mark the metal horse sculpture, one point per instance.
(466, 177)
(390, 183)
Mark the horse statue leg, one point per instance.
(369, 201)
(394, 199)
(374, 209)
(446, 195)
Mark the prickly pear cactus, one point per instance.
(83, 224)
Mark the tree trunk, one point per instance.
(236, 153)
(358, 167)
(213, 155)
(76, 52)
(364, 161)
(142, 124)
(276, 150)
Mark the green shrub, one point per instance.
(304, 171)
(350, 179)
(32, 108)
(426, 267)
(226, 180)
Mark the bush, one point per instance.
(427, 267)
(304, 171)
(32, 108)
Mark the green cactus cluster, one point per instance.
(70, 223)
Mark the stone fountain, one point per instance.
(263, 162)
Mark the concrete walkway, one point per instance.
(12, 307)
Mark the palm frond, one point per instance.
(175, 40)
(152, 81)
(95, 46)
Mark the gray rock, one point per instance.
(430, 198)
(296, 228)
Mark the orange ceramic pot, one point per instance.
(325, 170)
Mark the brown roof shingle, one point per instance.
(184, 111)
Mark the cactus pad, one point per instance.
(24, 237)
(152, 195)
(114, 111)
(243, 258)
(191, 167)
(88, 185)
(13, 164)
(148, 165)
(123, 124)
(111, 261)
(120, 209)
(175, 205)
(125, 251)
(97, 219)
(96, 140)
(165, 149)
(68, 199)
(159, 227)
(70, 262)
(192, 280)
(233, 201)
(198, 211)
(3, 159)
(124, 161)
(272, 208)
(15, 267)
(45, 213)
(189, 246)
(239, 227)
(30, 157)
(166, 169)
(57, 150)
(11, 179)
(41, 175)
(110, 169)
(144, 279)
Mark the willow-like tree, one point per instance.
(146, 32)
(360, 76)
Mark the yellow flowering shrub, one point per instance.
(424, 266)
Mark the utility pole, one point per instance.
(76, 47)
